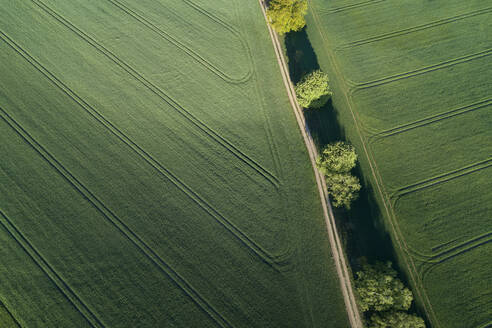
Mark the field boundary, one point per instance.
(336, 246)
(397, 234)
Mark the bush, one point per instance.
(287, 15)
(343, 189)
(313, 91)
(396, 319)
(338, 157)
(380, 290)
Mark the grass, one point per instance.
(412, 92)
(152, 172)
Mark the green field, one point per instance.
(413, 88)
(152, 173)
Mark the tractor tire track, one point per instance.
(229, 146)
(412, 29)
(443, 254)
(444, 177)
(11, 315)
(397, 235)
(141, 19)
(160, 169)
(347, 7)
(357, 86)
(433, 119)
(118, 223)
(335, 244)
(433, 262)
(273, 148)
(44, 265)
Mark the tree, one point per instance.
(343, 189)
(396, 319)
(287, 15)
(313, 91)
(338, 157)
(380, 290)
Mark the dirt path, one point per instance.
(336, 246)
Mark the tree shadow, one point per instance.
(362, 228)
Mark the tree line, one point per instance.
(382, 297)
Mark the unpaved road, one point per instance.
(336, 246)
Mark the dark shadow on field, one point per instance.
(361, 228)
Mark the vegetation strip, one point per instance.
(337, 250)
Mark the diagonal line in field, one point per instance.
(164, 172)
(133, 237)
(434, 118)
(141, 19)
(11, 315)
(468, 169)
(412, 29)
(401, 76)
(453, 252)
(461, 248)
(43, 264)
(381, 191)
(229, 146)
(347, 7)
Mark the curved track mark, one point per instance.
(412, 29)
(347, 7)
(141, 19)
(380, 188)
(444, 177)
(61, 285)
(433, 119)
(134, 238)
(401, 76)
(452, 253)
(161, 170)
(229, 146)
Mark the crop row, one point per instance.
(229, 146)
(43, 264)
(412, 29)
(200, 59)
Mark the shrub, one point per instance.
(313, 91)
(380, 290)
(287, 15)
(343, 189)
(338, 157)
(396, 319)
